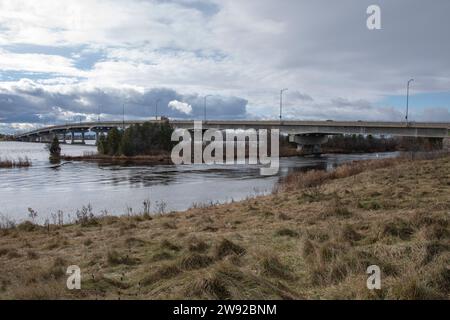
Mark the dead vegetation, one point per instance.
(19, 163)
(313, 238)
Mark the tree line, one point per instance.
(369, 143)
(146, 139)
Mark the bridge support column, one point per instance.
(82, 138)
(309, 144)
(72, 137)
(97, 137)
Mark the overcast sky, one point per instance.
(62, 61)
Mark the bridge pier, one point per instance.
(98, 134)
(72, 137)
(309, 143)
(64, 137)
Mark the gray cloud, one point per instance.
(30, 102)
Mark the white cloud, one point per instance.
(180, 106)
(43, 63)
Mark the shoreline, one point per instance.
(149, 160)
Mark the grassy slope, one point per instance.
(306, 243)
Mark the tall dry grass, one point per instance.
(19, 163)
(315, 178)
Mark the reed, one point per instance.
(19, 163)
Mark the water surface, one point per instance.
(115, 189)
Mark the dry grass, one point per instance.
(19, 163)
(314, 238)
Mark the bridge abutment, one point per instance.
(310, 143)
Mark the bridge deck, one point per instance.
(439, 130)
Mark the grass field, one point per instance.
(312, 239)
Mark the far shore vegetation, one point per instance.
(312, 238)
(5, 137)
(367, 144)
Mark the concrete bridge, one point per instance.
(307, 134)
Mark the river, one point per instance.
(115, 189)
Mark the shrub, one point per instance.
(54, 149)
(27, 226)
(85, 216)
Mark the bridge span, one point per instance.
(304, 133)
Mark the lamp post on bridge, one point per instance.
(407, 99)
(281, 102)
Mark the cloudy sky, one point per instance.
(63, 61)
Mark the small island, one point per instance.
(149, 143)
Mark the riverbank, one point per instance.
(314, 238)
(162, 158)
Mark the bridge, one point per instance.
(307, 134)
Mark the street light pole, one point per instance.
(281, 102)
(407, 99)
(204, 107)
